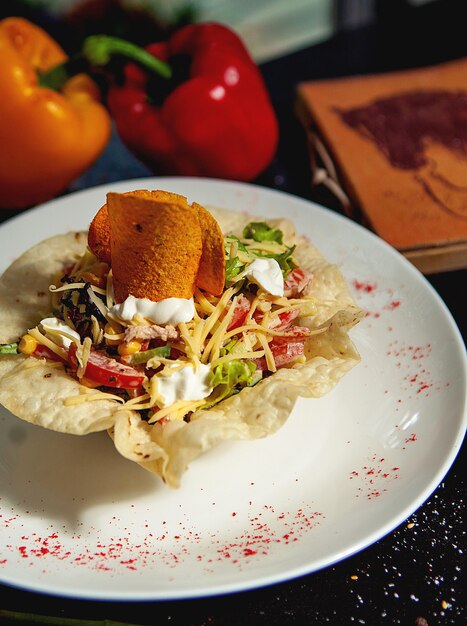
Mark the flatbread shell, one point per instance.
(167, 450)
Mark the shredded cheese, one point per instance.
(109, 291)
(139, 403)
(270, 362)
(233, 248)
(245, 328)
(193, 350)
(156, 361)
(202, 303)
(215, 343)
(250, 356)
(97, 332)
(82, 354)
(222, 304)
(38, 336)
(91, 397)
(252, 310)
(176, 411)
(66, 287)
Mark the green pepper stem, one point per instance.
(97, 51)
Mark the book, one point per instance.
(392, 148)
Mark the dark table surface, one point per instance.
(416, 572)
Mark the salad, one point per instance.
(165, 365)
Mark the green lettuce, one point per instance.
(233, 267)
(260, 231)
(285, 260)
(9, 348)
(143, 357)
(229, 378)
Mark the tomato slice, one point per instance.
(296, 282)
(43, 352)
(104, 370)
(292, 334)
(285, 319)
(242, 307)
(283, 354)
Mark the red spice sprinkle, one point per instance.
(264, 527)
(367, 287)
(423, 387)
(23, 552)
(370, 477)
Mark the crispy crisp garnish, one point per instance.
(211, 271)
(99, 229)
(99, 235)
(156, 245)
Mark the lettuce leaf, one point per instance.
(285, 260)
(9, 348)
(260, 231)
(143, 357)
(229, 378)
(233, 267)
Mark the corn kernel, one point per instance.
(125, 349)
(27, 345)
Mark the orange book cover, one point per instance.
(395, 147)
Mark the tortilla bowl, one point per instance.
(38, 391)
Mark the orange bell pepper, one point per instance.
(47, 138)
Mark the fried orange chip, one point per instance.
(99, 229)
(211, 272)
(99, 235)
(156, 245)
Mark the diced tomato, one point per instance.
(285, 319)
(106, 371)
(242, 307)
(292, 334)
(283, 353)
(43, 352)
(72, 358)
(296, 282)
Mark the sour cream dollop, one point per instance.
(169, 311)
(267, 274)
(186, 383)
(59, 332)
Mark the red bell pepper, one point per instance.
(215, 120)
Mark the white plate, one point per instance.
(76, 519)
